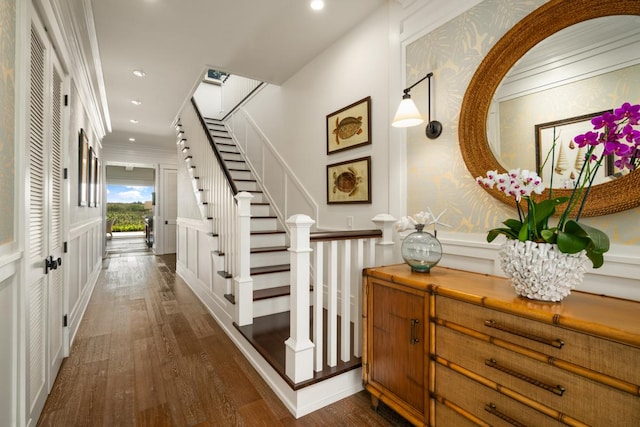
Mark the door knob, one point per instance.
(50, 264)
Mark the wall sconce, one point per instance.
(408, 114)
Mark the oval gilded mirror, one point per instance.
(606, 198)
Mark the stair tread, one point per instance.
(270, 269)
(268, 249)
(225, 274)
(279, 291)
(267, 232)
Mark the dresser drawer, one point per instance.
(447, 417)
(476, 399)
(578, 397)
(601, 355)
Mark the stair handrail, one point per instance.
(318, 236)
(221, 162)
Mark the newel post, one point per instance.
(384, 222)
(242, 282)
(299, 348)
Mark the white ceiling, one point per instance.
(174, 41)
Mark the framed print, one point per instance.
(349, 182)
(83, 168)
(98, 182)
(562, 165)
(92, 178)
(349, 127)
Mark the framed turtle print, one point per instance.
(349, 127)
(349, 182)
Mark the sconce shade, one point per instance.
(407, 114)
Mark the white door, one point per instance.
(169, 209)
(43, 250)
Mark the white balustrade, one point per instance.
(337, 290)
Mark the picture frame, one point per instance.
(92, 177)
(349, 181)
(349, 127)
(98, 181)
(567, 162)
(83, 168)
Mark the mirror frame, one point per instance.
(606, 198)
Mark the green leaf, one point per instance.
(571, 243)
(577, 237)
(523, 235)
(546, 208)
(497, 231)
(549, 235)
(513, 224)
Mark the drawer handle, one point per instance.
(495, 325)
(414, 338)
(491, 408)
(558, 390)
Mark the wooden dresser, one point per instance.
(453, 348)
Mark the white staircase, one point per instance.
(269, 258)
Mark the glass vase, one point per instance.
(421, 250)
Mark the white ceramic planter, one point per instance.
(540, 271)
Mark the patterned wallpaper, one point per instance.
(7, 103)
(436, 173)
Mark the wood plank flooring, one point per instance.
(148, 354)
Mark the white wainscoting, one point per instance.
(9, 307)
(83, 264)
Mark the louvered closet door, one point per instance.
(44, 327)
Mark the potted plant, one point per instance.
(543, 260)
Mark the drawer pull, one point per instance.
(558, 343)
(414, 338)
(558, 390)
(491, 408)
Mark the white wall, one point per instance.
(208, 98)
(293, 116)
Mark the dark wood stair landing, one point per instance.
(267, 335)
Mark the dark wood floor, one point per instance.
(148, 354)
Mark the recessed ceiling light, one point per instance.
(134, 121)
(136, 102)
(317, 4)
(139, 73)
(132, 140)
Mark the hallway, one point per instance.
(148, 354)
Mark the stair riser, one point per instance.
(267, 240)
(264, 224)
(247, 185)
(270, 258)
(271, 306)
(241, 174)
(258, 198)
(271, 280)
(236, 165)
(231, 156)
(231, 149)
(219, 133)
(260, 210)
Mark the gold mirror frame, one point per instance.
(607, 198)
